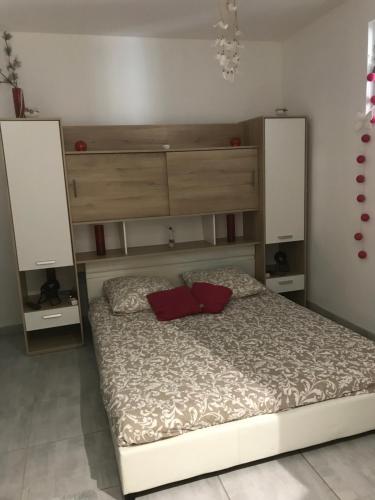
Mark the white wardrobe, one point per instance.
(33, 159)
(282, 220)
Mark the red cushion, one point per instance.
(213, 298)
(173, 304)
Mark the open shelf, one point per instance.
(46, 306)
(54, 339)
(87, 257)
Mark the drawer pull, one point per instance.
(75, 191)
(52, 316)
(286, 282)
(45, 262)
(285, 237)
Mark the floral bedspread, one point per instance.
(263, 354)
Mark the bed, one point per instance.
(208, 392)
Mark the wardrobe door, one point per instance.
(285, 160)
(212, 181)
(117, 186)
(35, 171)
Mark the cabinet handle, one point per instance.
(75, 191)
(45, 262)
(52, 316)
(285, 237)
(287, 282)
(252, 178)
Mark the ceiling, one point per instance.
(259, 19)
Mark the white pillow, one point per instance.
(128, 294)
(241, 283)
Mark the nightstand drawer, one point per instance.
(50, 318)
(286, 283)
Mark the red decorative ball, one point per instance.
(361, 198)
(362, 254)
(372, 99)
(80, 146)
(360, 179)
(361, 159)
(372, 121)
(235, 142)
(371, 77)
(358, 236)
(365, 217)
(366, 138)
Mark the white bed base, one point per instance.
(220, 447)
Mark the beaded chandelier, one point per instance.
(227, 43)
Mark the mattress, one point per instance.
(264, 354)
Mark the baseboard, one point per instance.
(11, 330)
(341, 321)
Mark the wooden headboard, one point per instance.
(168, 266)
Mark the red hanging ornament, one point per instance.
(361, 198)
(371, 77)
(360, 179)
(372, 99)
(362, 254)
(366, 138)
(372, 121)
(361, 159)
(365, 217)
(358, 236)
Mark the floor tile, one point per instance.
(66, 374)
(15, 430)
(288, 478)
(12, 345)
(12, 466)
(347, 466)
(70, 467)
(66, 417)
(205, 489)
(18, 383)
(111, 494)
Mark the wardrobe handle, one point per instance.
(252, 182)
(287, 282)
(52, 316)
(75, 191)
(285, 237)
(45, 262)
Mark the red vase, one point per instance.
(19, 102)
(99, 239)
(231, 228)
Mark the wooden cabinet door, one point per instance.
(212, 181)
(285, 160)
(35, 171)
(117, 186)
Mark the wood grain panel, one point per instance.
(212, 181)
(117, 186)
(122, 137)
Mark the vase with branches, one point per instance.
(9, 76)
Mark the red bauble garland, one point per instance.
(362, 161)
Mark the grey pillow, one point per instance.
(128, 294)
(241, 283)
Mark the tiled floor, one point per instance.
(55, 444)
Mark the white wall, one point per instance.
(117, 80)
(98, 79)
(325, 73)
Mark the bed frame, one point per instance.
(147, 466)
